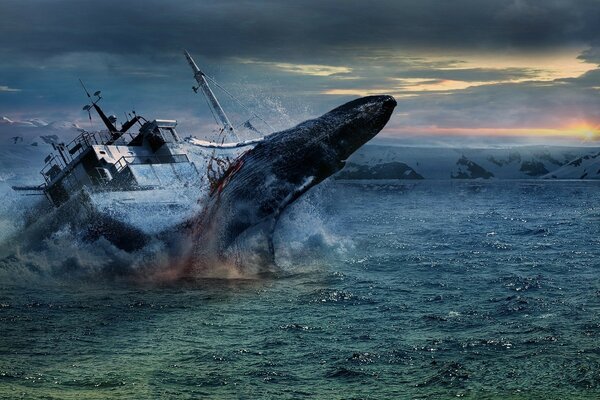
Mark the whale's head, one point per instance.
(357, 122)
(319, 147)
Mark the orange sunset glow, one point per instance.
(583, 131)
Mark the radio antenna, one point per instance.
(84, 89)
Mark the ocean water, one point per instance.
(425, 290)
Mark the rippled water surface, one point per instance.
(386, 290)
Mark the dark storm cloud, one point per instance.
(275, 30)
(589, 80)
(591, 55)
(262, 51)
(472, 74)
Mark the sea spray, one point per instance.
(309, 232)
(55, 247)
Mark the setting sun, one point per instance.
(585, 130)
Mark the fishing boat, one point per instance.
(140, 166)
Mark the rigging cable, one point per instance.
(239, 102)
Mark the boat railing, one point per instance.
(150, 159)
(84, 140)
(52, 168)
(69, 152)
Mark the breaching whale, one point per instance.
(253, 192)
(266, 179)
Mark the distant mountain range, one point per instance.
(521, 162)
(35, 131)
(26, 123)
(37, 123)
(24, 145)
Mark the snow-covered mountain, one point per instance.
(584, 167)
(59, 125)
(24, 144)
(387, 170)
(33, 122)
(35, 131)
(525, 162)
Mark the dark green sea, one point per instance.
(384, 290)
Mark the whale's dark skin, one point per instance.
(262, 182)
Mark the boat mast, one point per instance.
(210, 96)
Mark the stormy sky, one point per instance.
(468, 69)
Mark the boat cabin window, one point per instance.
(168, 134)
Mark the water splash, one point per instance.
(56, 246)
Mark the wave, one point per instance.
(71, 243)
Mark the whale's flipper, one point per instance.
(290, 198)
